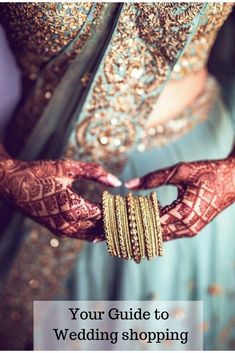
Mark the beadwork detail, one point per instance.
(197, 52)
(42, 31)
(45, 39)
(144, 47)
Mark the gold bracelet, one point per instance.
(107, 224)
(120, 227)
(140, 230)
(132, 226)
(114, 224)
(151, 230)
(126, 227)
(147, 239)
(154, 232)
(158, 221)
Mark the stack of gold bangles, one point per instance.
(132, 226)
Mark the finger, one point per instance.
(98, 239)
(154, 179)
(90, 171)
(69, 170)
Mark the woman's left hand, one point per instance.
(205, 188)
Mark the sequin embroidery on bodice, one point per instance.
(151, 43)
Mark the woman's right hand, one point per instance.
(43, 191)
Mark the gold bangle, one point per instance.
(154, 231)
(148, 209)
(133, 228)
(140, 230)
(107, 224)
(120, 226)
(147, 239)
(153, 197)
(114, 224)
(126, 227)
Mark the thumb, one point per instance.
(166, 176)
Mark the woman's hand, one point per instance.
(43, 191)
(205, 188)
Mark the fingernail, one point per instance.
(113, 180)
(95, 241)
(133, 183)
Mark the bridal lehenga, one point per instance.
(91, 75)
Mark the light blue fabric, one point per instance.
(189, 266)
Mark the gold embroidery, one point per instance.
(44, 48)
(143, 47)
(138, 61)
(173, 129)
(197, 52)
(148, 38)
(41, 31)
(146, 43)
(164, 32)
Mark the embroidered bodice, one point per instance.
(113, 60)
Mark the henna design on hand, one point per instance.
(43, 190)
(205, 188)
